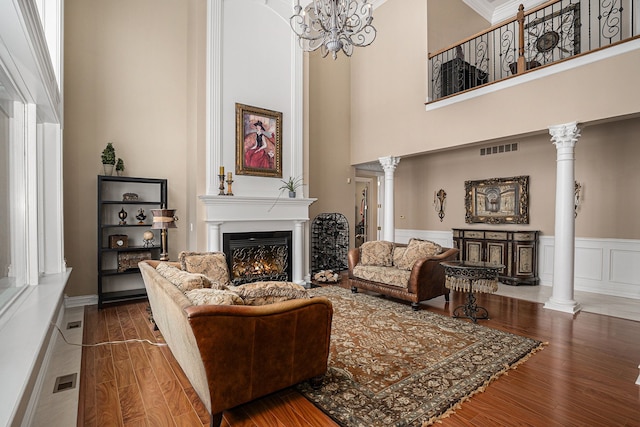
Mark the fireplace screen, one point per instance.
(254, 257)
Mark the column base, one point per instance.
(568, 306)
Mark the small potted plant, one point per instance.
(108, 158)
(292, 184)
(120, 166)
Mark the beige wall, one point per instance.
(132, 76)
(444, 20)
(388, 114)
(329, 122)
(606, 166)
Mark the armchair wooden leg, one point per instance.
(446, 296)
(316, 382)
(354, 290)
(216, 419)
(415, 306)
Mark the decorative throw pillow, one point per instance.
(262, 293)
(377, 252)
(398, 253)
(418, 249)
(213, 297)
(211, 264)
(181, 279)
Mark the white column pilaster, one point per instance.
(389, 165)
(213, 236)
(564, 138)
(298, 248)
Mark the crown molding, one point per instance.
(502, 12)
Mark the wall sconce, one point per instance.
(439, 199)
(164, 219)
(577, 189)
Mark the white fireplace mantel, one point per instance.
(242, 208)
(247, 214)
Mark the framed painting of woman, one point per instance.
(258, 141)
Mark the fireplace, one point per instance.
(258, 256)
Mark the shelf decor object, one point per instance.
(164, 219)
(118, 241)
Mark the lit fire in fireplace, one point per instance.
(242, 269)
(259, 263)
(258, 256)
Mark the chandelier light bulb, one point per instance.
(333, 25)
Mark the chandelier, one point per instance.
(332, 25)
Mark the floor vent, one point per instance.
(65, 382)
(74, 325)
(499, 149)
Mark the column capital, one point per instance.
(389, 163)
(565, 135)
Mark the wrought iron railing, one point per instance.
(551, 32)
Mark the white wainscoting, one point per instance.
(443, 238)
(603, 266)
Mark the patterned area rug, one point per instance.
(391, 366)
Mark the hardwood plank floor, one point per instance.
(585, 376)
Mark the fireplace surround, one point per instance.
(246, 214)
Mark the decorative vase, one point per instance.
(108, 169)
(119, 173)
(292, 194)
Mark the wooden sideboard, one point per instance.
(517, 250)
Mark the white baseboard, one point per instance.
(80, 301)
(603, 266)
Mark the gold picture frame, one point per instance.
(497, 200)
(258, 141)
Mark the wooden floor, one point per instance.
(584, 377)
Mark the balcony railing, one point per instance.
(552, 32)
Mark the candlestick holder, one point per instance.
(229, 192)
(221, 188)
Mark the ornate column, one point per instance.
(389, 165)
(564, 137)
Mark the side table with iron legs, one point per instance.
(471, 277)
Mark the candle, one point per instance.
(229, 176)
(221, 170)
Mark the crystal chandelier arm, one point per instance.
(333, 25)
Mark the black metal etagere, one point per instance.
(117, 280)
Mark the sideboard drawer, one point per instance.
(524, 236)
(495, 235)
(474, 234)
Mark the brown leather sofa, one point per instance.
(425, 280)
(233, 354)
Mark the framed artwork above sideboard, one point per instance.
(497, 200)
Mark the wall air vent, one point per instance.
(499, 149)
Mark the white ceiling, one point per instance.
(496, 11)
